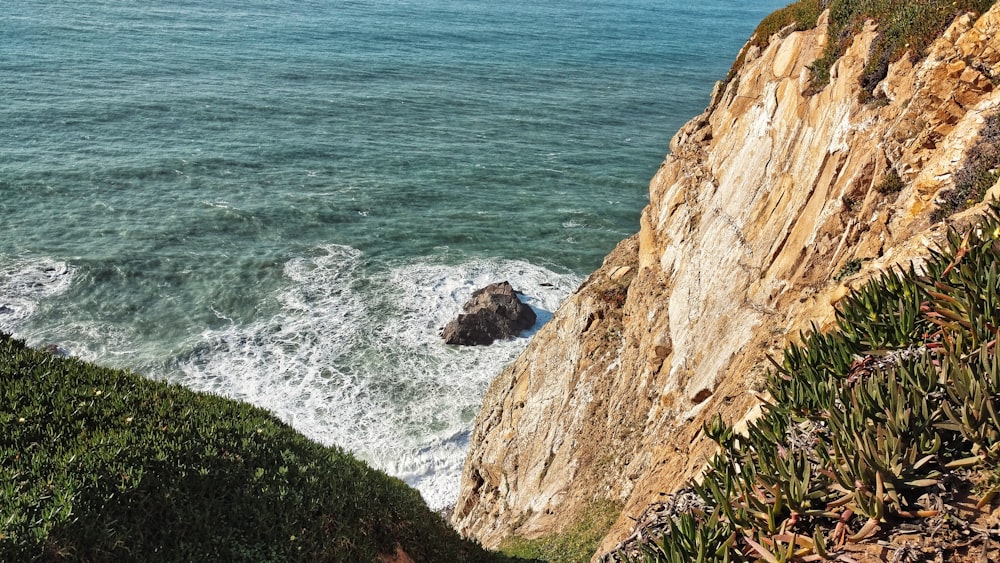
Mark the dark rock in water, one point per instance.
(493, 312)
(55, 350)
(5, 310)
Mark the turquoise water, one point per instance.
(284, 202)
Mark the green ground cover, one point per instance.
(884, 420)
(104, 465)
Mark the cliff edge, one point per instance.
(769, 206)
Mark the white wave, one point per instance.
(355, 358)
(24, 283)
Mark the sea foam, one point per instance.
(354, 358)
(24, 283)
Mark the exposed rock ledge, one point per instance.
(763, 199)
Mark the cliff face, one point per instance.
(763, 200)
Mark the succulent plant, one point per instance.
(864, 420)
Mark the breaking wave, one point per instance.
(353, 357)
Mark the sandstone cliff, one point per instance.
(763, 200)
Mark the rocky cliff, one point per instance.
(758, 219)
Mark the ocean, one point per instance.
(284, 202)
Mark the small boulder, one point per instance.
(493, 312)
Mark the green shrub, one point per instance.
(890, 183)
(103, 465)
(868, 422)
(850, 268)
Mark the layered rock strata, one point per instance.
(763, 200)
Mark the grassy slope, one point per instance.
(104, 465)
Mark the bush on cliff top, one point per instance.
(904, 26)
(885, 420)
(103, 465)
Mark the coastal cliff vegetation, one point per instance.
(99, 464)
(886, 428)
(979, 172)
(904, 27)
